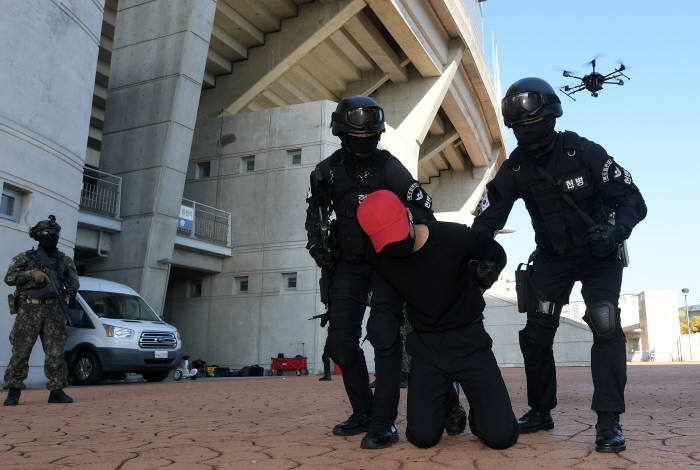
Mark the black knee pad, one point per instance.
(601, 317)
(343, 348)
(383, 331)
(533, 348)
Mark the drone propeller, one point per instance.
(592, 62)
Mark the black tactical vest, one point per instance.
(558, 227)
(349, 185)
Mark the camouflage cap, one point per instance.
(43, 225)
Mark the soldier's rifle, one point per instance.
(56, 287)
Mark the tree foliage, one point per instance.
(694, 324)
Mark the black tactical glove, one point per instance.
(485, 272)
(605, 238)
(323, 258)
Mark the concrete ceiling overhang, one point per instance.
(269, 53)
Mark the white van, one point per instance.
(119, 333)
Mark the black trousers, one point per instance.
(350, 287)
(463, 356)
(554, 277)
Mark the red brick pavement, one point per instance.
(285, 423)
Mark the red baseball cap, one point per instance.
(383, 218)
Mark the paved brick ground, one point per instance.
(285, 423)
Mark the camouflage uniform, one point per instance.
(44, 320)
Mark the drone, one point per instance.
(594, 81)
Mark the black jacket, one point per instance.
(581, 168)
(345, 182)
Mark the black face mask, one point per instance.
(361, 147)
(399, 249)
(536, 139)
(49, 242)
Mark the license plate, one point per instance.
(161, 354)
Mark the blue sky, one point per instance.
(650, 125)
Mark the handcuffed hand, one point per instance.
(39, 277)
(323, 258)
(604, 238)
(485, 272)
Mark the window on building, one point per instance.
(10, 204)
(289, 281)
(242, 284)
(294, 157)
(248, 164)
(203, 170)
(196, 288)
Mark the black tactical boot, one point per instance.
(355, 424)
(325, 377)
(534, 420)
(403, 383)
(59, 396)
(456, 420)
(13, 397)
(380, 438)
(608, 433)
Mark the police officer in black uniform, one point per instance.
(346, 177)
(583, 207)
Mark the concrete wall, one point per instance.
(268, 237)
(689, 347)
(160, 49)
(48, 56)
(658, 313)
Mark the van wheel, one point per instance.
(158, 376)
(86, 369)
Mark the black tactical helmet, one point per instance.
(45, 227)
(529, 98)
(357, 114)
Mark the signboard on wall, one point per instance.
(186, 219)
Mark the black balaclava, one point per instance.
(360, 147)
(536, 139)
(401, 248)
(49, 242)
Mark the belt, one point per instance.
(48, 300)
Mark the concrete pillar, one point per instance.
(48, 54)
(158, 59)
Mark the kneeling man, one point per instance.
(441, 269)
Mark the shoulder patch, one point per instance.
(411, 190)
(485, 203)
(606, 168)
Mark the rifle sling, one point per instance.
(586, 218)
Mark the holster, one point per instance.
(13, 301)
(523, 286)
(325, 285)
(622, 253)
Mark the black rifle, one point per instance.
(56, 288)
(324, 211)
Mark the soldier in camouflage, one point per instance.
(38, 313)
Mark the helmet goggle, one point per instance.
(521, 106)
(49, 231)
(368, 117)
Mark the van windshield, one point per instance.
(118, 306)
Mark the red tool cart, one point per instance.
(290, 363)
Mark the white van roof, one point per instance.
(103, 285)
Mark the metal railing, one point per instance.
(101, 192)
(207, 223)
